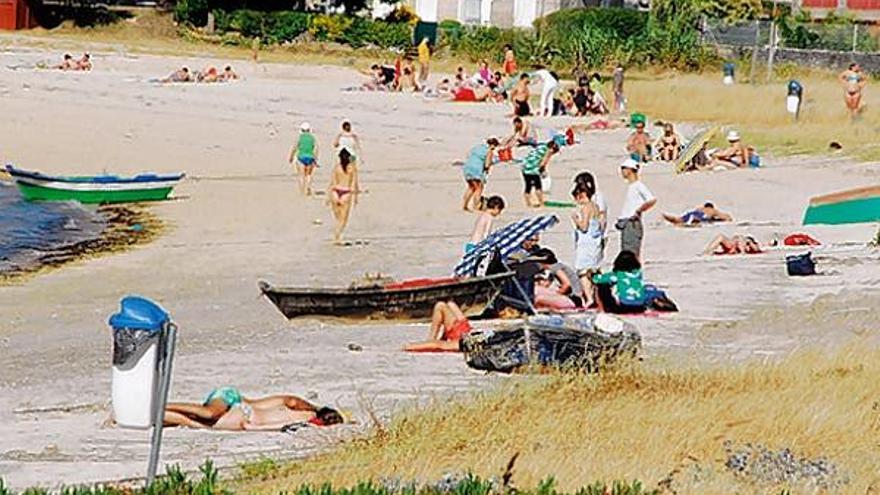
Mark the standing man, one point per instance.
(637, 201)
(619, 99)
(424, 59)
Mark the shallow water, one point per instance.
(29, 230)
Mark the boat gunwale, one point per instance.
(856, 194)
(20, 174)
(266, 287)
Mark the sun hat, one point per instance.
(733, 136)
(630, 164)
(305, 127)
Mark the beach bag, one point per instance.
(505, 155)
(800, 265)
(754, 160)
(656, 299)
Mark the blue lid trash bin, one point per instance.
(137, 332)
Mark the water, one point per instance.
(29, 230)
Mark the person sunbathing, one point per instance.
(226, 409)
(382, 78)
(738, 244)
(67, 63)
(548, 297)
(735, 155)
(181, 75)
(448, 325)
(84, 63)
(228, 74)
(208, 75)
(703, 214)
(668, 145)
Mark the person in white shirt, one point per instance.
(548, 90)
(637, 200)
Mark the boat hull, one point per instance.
(416, 303)
(854, 206)
(41, 193)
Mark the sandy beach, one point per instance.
(239, 218)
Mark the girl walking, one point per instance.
(342, 192)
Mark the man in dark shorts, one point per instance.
(520, 97)
(534, 165)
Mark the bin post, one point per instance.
(167, 341)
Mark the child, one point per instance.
(638, 200)
(305, 152)
(483, 226)
(588, 240)
(627, 295)
(476, 171)
(534, 165)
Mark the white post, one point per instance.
(855, 36)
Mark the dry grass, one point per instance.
(650, 422)
(758, 111)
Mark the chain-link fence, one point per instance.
(841, 37)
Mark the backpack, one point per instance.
(800, 265)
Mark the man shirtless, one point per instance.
(523, 134)
(519, 96)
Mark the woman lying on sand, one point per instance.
(738, 244)
(83, 64)
(211, 75)
(703, 214)
(226, 409)
(448, 326)
(181, 75)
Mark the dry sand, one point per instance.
(239, 218)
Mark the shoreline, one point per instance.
(127, 226)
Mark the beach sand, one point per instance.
(239, 218)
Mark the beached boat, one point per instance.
(850, 206)
(35, 186)
(410, 299)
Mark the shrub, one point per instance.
(193, 12)
(330, 27)
(286, 26)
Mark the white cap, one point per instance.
(630, 164)
(305, 127)
(732, 136)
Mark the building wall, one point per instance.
(502, 13)
(447, 9)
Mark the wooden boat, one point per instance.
(850, 206)
(35, 186)
(411, 299)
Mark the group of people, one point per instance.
(344, 187)
(83, 63)
(209, 74)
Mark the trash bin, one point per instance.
(138, 347)
(729, 71)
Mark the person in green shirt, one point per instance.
(622, 291)
(305, 152)
(533, 166)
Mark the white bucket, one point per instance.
(728, 80)
(132, 390)
(792, 103)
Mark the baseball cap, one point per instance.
(305, 127)
(630, 164)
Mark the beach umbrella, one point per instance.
(693, 147)
(506, 240)
(859, 205)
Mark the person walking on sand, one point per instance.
(854, 82)
(534, 165)
(637, 200)
(476, 172)
(305, 152)
(424, 59)
(342, 192)
(550, 83)
(349, 141)
(483, 225)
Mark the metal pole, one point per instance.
(855, 37)
(167, 341)
(773, 41)
(755, 50)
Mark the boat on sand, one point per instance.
(409, 299)
(35, 186)
(850, 206)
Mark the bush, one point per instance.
(193, 12)
(330, 27)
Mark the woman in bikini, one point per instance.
(448, 326)
(668, 144)
(854, 82)
(342, 193)
(738, 244)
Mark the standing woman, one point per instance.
(548, 90)
(854, 81)
(509, 61)
(476, 171)
(342, 192)
(588, 240)
(305, 152)
(349, 141)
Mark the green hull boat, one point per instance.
(101, 189)
(852, 206)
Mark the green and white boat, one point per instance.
(35, 186)
(850, 206)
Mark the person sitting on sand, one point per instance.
(461, 77)
(84, 63)
(524, 134)
(483, 225)
(383, 78)
(566, 278)
(735, 155)
(209, 74)
(226, 409)
(668, 145)
(228, 74)
(548, 297)
(181, 75)
(622, 291)
(477, 94)
(639, 144)
(67, 63)
(448, 326)
(703, 214)
(407, 80)
(519, 97)
(738, 244)
(342, 192)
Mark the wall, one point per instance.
(502, 13)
